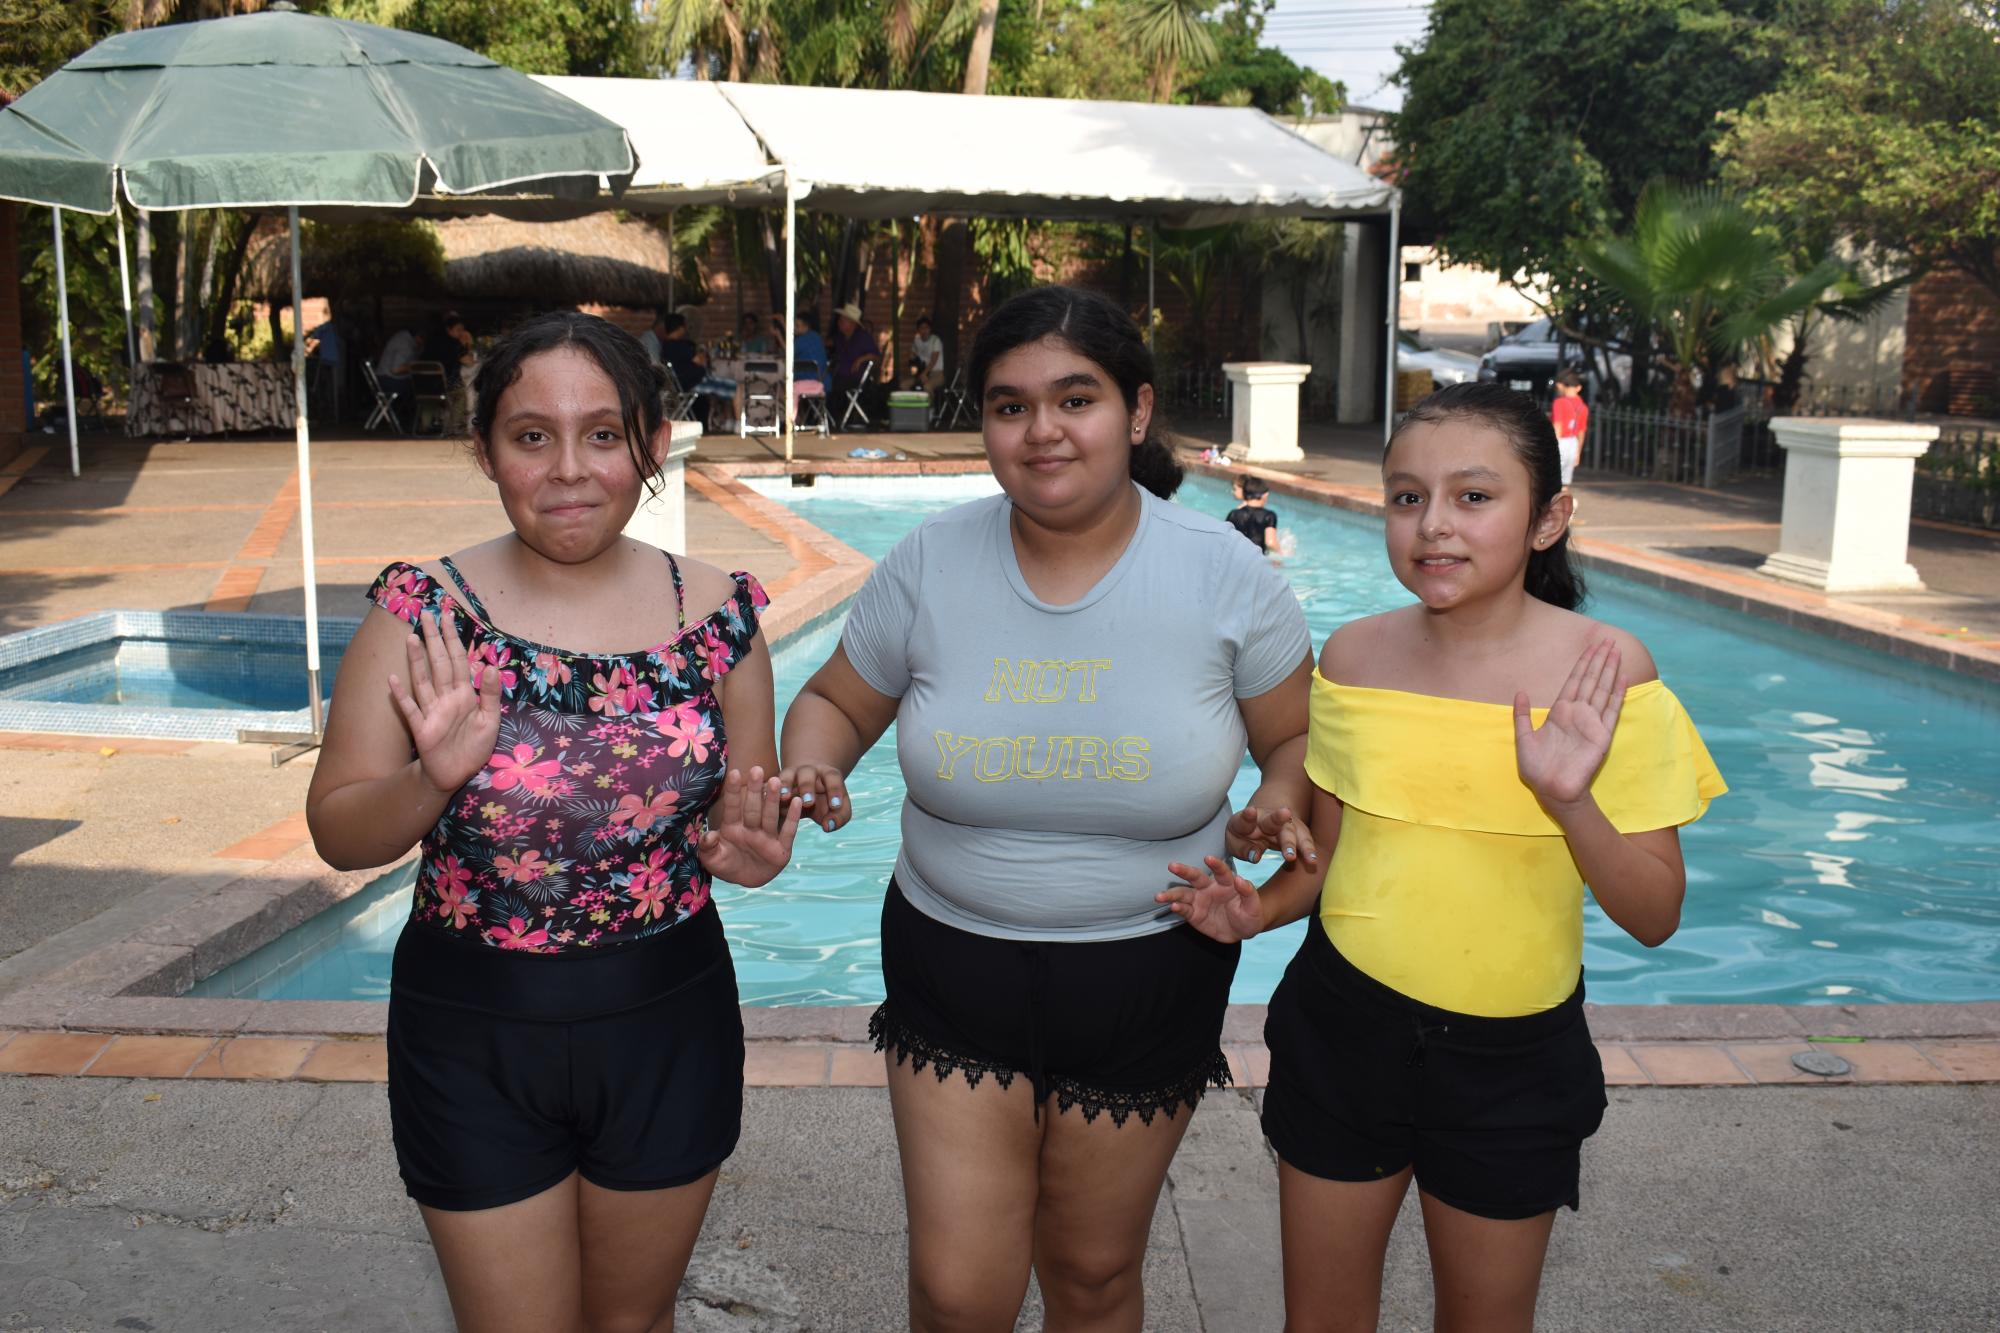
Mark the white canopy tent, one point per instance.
(1182, 166)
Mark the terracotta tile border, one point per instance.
(848, 1064)
(50, 741)
(1907, 637)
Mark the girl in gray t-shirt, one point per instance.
(1075, 668)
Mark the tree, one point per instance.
(1710, 281)
(1528, 125)
(1169, 35)
(1886, 128)
(1248, 73)
(544, 37)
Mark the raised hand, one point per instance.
(1252, 831)
(1559, 759)
(746, 843)
(453, 726)
(822, 790)
(1217, 901)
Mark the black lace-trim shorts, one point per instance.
(1125, 1027)
(1491, 1112)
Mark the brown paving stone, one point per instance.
(1688, 1064)
(254, 1057)
(856, 1067)
(149, 1057)
(51, 1052)
(6, 1036)
(1620, 1069)
(284, 836)
(1256, 1067)
(784, 1065)
(1966, 1061)
(1889, 1062)
(1239, 1073)
(36, 740)
(1771, 1062)
(347, 1062)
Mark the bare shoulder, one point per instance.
(705, 587)
(1354, 654)
(1634, 661)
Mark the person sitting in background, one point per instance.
(854, 348)
(689, 364)
(926, 357)
(808, 348)
(755, 341)
(457, 354)
(392, 367)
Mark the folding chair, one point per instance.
(862, 384)
(431, 412)
(809, 392)
(675, 403)
(951, 404)
(385, 402)
(763, 382)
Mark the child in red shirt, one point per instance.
(1571, 416)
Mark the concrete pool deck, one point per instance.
(1712, 1199)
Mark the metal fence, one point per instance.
(1958, 478)
(1196, 392)
(1703, 450)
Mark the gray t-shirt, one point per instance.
(1058, 757)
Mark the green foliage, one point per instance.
(1707, 278)
(96, 306)
(1886, 128)
(542, 37)
(353, 261)
(1530, 124)
(1247, 73)
(38, 36)
(1066, 48)
(1171, 37)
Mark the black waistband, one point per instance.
(1351, 983)
(556, 988)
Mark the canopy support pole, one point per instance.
(68, 367)
(292, 744)
(125, 284)
(1152, 244)
(1392, 317)
(791, 312)
(670, 259)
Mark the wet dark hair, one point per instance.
(639, 379)
(1550, 576)
(1253, 488)
(1095, 327)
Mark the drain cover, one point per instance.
(1824, 1063)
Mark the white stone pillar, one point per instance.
(1265, 409)
(1847, 503)
(661, 520)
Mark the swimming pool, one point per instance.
(1856, 859)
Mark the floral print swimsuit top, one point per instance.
(580, 831)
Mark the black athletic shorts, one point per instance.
(508, 1071)
(1129, 1027)
(1365, 1081)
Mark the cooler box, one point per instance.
(909, 410)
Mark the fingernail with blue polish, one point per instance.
(784, 791)
(808, 798)
(834, 801)
(829, 826)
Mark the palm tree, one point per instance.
(1169, 35)
(980, 56)
(1707, 276)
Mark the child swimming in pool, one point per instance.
(1477, 758)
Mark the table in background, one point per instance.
(227, 396)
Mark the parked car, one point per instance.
(1529, 358)
(1446, 367)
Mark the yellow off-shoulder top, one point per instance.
(1450, 883)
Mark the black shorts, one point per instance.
(1125, 1026)
(508, 1071)
(1365, 1081)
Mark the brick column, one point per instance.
(13, 403)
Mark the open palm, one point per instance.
(1559, 759)
(746, 842)
(452, 724)
(1215, 900)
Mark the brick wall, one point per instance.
(1952, 320)
(13, 406)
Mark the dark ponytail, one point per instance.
(1095, 327)
(1550, 576)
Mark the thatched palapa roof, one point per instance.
(594, 259)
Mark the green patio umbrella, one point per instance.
(288, 110)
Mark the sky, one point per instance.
(1350, 41)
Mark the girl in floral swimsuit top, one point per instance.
(580, 830)
(565, 1047)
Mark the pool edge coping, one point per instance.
(134, 986)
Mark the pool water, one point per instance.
(133, 671)
(1856, 858)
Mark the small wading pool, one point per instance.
(1857, 857)
(187, 675)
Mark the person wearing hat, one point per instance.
(853, 348)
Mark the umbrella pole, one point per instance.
(1392, 318)
(1152, 244)
(68, 367)
(125, 283)
(305, 501)
(791, 311)
(670, 259)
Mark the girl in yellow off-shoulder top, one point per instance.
(1477, 758)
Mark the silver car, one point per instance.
(1446, 367)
